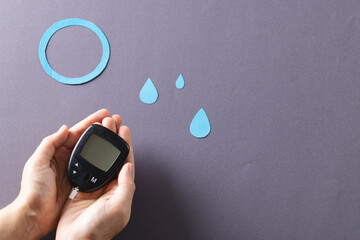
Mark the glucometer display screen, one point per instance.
(99, 152)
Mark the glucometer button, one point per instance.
(93, 179)
(77, 166)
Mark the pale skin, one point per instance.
(43, 204)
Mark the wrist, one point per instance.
(17, 221)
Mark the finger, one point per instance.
(109, 123)
(125, 133)
(79, 128)
(47, 147)
(118, 120)
(62, 156)
(125, 190)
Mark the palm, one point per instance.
(83, 213)
(46, 187)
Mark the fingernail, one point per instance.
(61, 129)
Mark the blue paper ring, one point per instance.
(66, 23)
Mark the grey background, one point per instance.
(279, 80)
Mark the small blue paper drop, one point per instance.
(180, 83)
(200, 125)
(148, 93)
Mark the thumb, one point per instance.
(48, 145)
(125, 190)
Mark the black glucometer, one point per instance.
(95, 159)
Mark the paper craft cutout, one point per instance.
(66, 23)
(180, 83)
(148, 93)
(200, 125)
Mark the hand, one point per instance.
(44, 185)
(104, 213)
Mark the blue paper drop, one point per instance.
(148, 93)
(200, 125)
(180, 83)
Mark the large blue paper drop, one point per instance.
(200, 125)
(148, 93)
